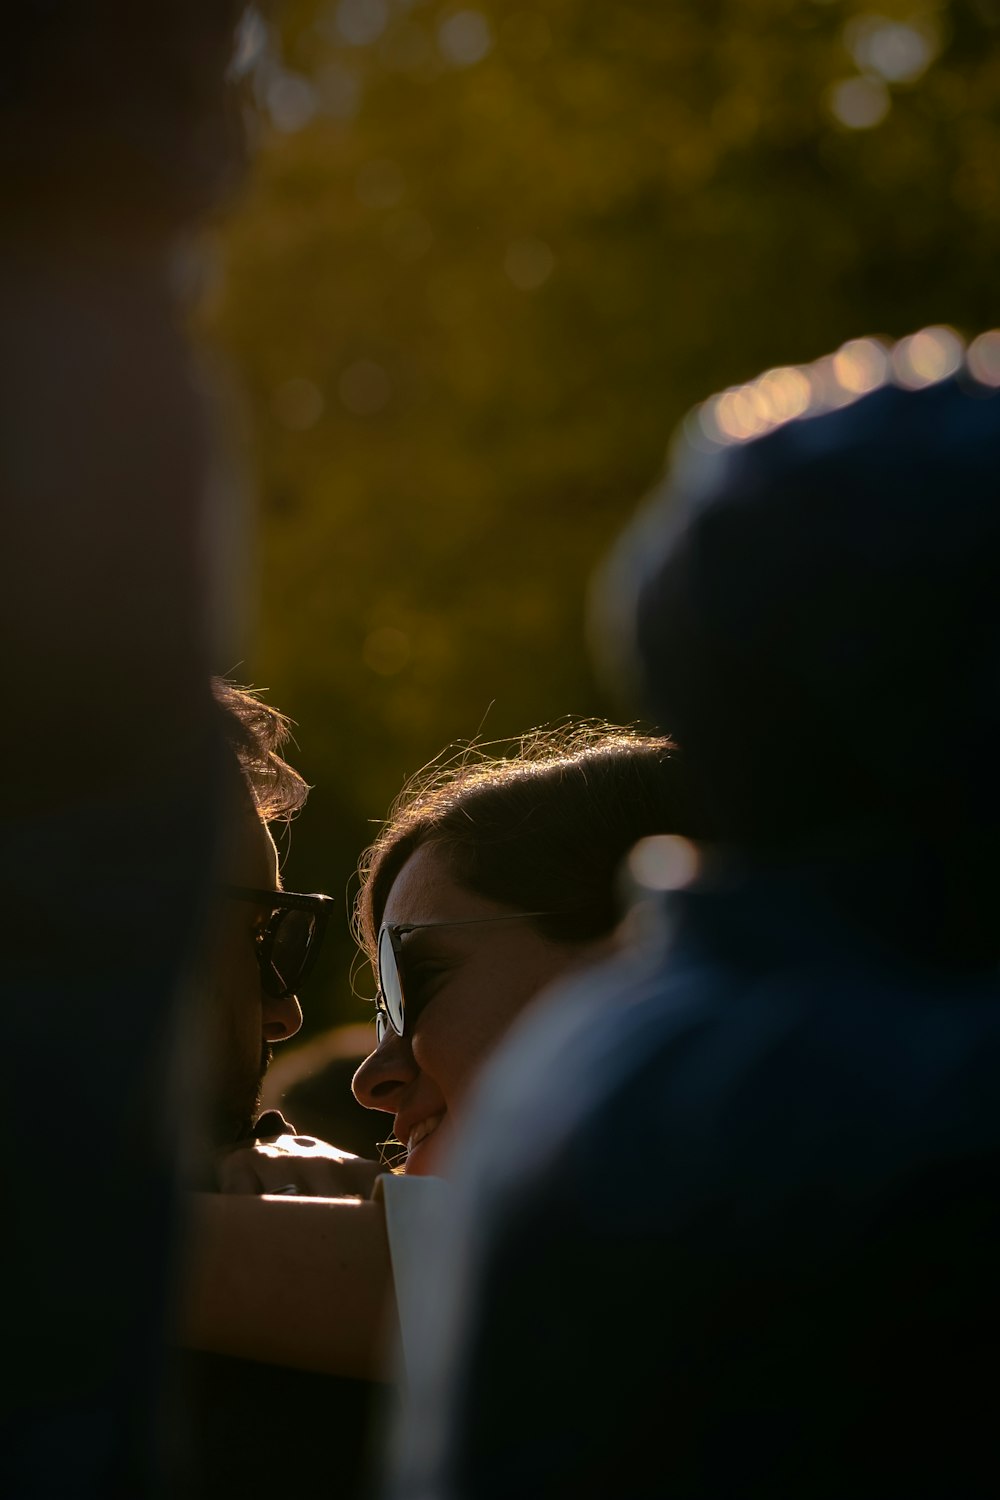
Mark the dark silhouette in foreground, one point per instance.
(111, 147)
(730, 1219)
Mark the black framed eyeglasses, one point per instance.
(390, 1006)
(288, 939)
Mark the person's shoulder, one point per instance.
(666, 1087)
(568, 1060)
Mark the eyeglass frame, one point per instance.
(319, 905)
(396, 931)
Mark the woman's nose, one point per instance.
(280, 1019)
(384, 1073)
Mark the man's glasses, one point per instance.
(390, 1007)
(288, 938)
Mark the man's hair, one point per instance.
(256, 733)
(542, 827)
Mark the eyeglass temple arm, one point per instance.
(401, 928)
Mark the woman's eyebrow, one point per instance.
(425, 939)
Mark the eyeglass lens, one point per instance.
(390, 987)
(289, 938)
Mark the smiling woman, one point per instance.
(469, 972)
(493, 877)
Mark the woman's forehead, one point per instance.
(426, 890)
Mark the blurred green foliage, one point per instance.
(490, 255)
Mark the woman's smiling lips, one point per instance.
(418, 1133)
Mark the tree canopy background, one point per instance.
(490, 256)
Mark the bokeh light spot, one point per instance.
(983, 358)
(899, 51)
(465, 38)
(860, 103)
(291, 101)
(364, 388)
(705, 426)
(783, 394)
(297, 404)
(738, 415)
(360, 22)
(665, 862)
(926, 357)
(386, 651)
(528, 264)
(860, 365)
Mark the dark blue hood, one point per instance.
(815, 615)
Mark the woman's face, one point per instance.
(467, 984)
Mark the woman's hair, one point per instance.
(543, 827)
(256, 733)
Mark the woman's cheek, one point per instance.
(423, 1045)
(438, 1047)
